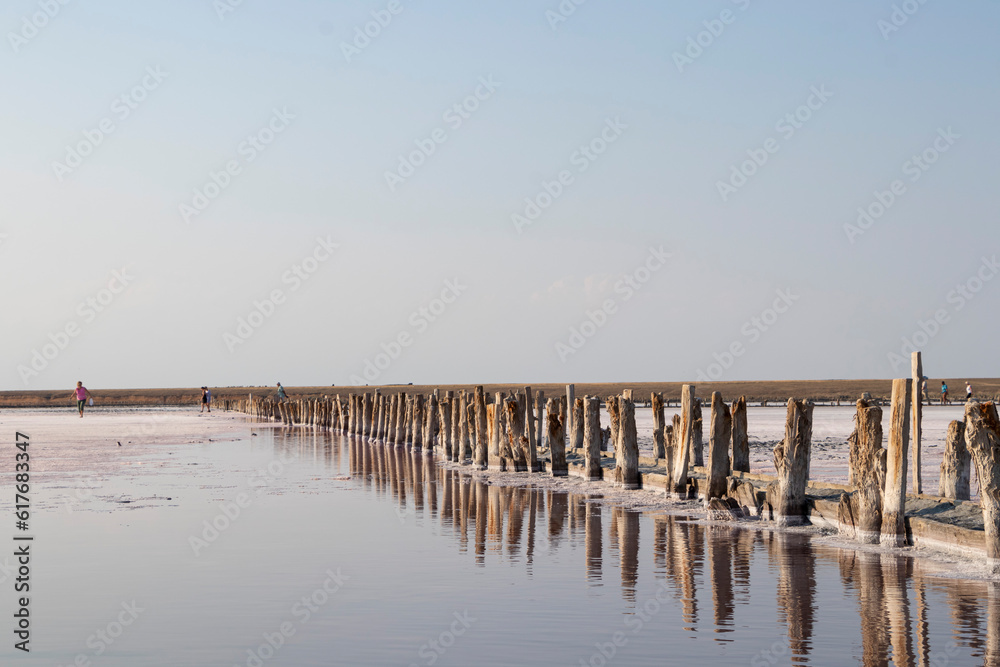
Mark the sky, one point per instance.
(228, 192)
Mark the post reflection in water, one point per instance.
(902, 612)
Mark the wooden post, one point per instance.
(741, 443)
(627, 452)
(679, 476)
(614, 419)
(557, 449)
(455, 446)
(469, 439)
(982, 437)
(380, 421)
(366, 418)
(531, 447)
(577, 437)
(697, 450)
(860, 513)
(720, 434)
(493, 410)
(592, 438)
(791, 461)
(917, 368)
(444, 416)
(894, 498)
(568, 406)
(540, 424)
(515, 433)
(418, 422)
(482, 444)
(656, 403)
(430, 422)
(956, 464)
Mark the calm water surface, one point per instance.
(345, 553)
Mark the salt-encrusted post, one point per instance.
(380, 429)
(982, 437)
(366, 416)
(493, 411)
(568, 407)
(592, 438)
(741, 443)
(791, 461)
(557, 448)
(614, 419)
(540, 424)
(482, 445)
(894, 497)
(461, 433)
(529, 430)
(516, 407)
(656, 402)
(860, 513)
(455, 442)
(679, 476)
(917, 399)
(576, 440)
(469, 441)
(431, 422)
(418, 421)
(956, 464)
(627, 452)
(444, 415)
(697, 450)
(719, 436)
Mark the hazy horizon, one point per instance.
(222, 192)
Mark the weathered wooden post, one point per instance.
(592, 438)
(465, 440)
(720, 434)
(787, 496)
(627, 452)
(568, 425)
(393, 419)
(469, 443)
(444, 415)
(455, 448)
(860, 513)
(656, 403)
(482, 444)
(894, 497)
(401, 421)
(380, 428)
(956, 465)
(614, 419)
(540, 423)
(515, 432)
(418, 422)
(982, 437)
(430, 422)
(697, 450)
(557, 449)
(531, 447)
(367, 418)
(741, 443)
(917, 368)
(577, 437)
(683, 436)
(493, 410)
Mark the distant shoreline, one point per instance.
(776, 391)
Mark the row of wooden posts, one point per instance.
(504, 433)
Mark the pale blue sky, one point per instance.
(656, 185)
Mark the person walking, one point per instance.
(282, 396)
(923, 390)
(206, 399)
(968, 391)
(81, 394)
(944, 393)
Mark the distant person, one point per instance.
(206, 399)
(82, 394)
(944, 393)
(282, 396)
(968, 391)
(923, 390)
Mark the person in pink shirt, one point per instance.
(82, 394)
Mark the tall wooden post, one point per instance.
(627, 452)
(493, 410)
(469, 437)
(894, 497)
(516, 407)
(791, 461)
(568, 417)
(482, 444)
(656, 403)
(720, 434)
(445, 406)
(860, 513)
(430, 422)
(917, 399)
(418, 422)
(540, 424)
(982, 437)
(955, 465)
(679, 476)
(741, 443)
(529, 430)
(592, 438)
(577, 436)
(557, 450)
(697, 450)
(614, 419)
